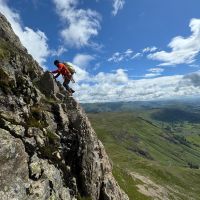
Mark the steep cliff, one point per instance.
(48, 149)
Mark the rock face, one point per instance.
(48, 149)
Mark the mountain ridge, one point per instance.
(48, 149)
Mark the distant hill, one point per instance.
(185, 103)
(154, 146)
(176, 115)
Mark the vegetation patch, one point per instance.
(49, 100)
(128, 184)
(35, 120)
(52, 137)
(4, 52)
(5, 81)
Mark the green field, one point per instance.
(155, 152)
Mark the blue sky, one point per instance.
(122, 50)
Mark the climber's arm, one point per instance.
(57, 72)
(57, 75)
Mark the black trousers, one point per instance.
(66, 84)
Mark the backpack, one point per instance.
(70, 68)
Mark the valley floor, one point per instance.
(152, 158)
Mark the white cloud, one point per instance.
(149, 49)
(126, 55)
(59, 51)
(34, 41)
(81, 25)
(194, 65)
(156, 70)
(128, 52)
(137, 55)
(119, 77)
(183, 50)
(81, 74)
(192, 79)
(117, 5)
(104, 89)
(116, 86)
(150, 75)
(116, 57)
(97, 66)
(120, 56)
(83, 60)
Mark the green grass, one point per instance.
(4, 52)
(137, 143)
(128, 184)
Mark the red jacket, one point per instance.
(62, 69)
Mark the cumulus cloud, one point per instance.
(119, 77)
(80, 25)
(34, 41)
(81, 74)
(116, 86)
(183, 50)
(135, 90)
(117, 5)
(83, 60)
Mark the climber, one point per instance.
(65, 72)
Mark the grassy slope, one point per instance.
(139, 144)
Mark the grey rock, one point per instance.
(49, 118)
(40, 141)
(96, 170)
(61, 117)
(13, 168)
(39, 190)
(33, 132)
(7, 33)
(50, 185)
(18, 130)
(47, 85)
(30, 143)
(110, 189)
(60, 96)
(38, 136)
(35, 167)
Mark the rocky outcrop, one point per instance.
(48, 149)
(7, 34)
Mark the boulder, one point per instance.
(14, 173)
(47, 85)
